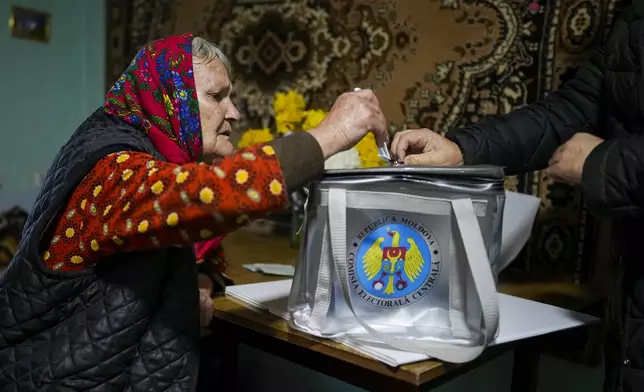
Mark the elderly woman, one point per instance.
(102, 294)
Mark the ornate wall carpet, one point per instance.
(433, 63)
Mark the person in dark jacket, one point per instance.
(102, 293)
(588, 133)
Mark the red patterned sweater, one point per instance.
(133, 202)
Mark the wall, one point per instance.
(47, 90)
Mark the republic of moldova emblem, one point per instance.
(393, 262)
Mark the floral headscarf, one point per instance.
(157, 94)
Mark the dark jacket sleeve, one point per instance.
(525, 139)
(613, 177)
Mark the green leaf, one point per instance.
(158, 96)
(132, 103)
(117, 103)
(156, 120)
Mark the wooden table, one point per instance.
(261, 330)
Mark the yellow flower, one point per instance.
(143, 226)
(157, 187)
(127, 173)
(275, 187)
(167, 102)
(206, 195)
(76, 260)
(286, 122)
(268, 150)
(172, 220)
(289, 120)
(241, 176)
(291, 100)
(312, 118)
(368, 152)
(122, 158)
(255, 136)
(289, 111)
(181, 177)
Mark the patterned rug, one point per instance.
(433, 63)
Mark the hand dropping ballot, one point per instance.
(409, 256)
(383, 150)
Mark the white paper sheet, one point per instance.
(520, 318)
(271, 269)
(518, 217)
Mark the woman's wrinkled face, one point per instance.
(216, 109)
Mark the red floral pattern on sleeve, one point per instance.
(133, 202)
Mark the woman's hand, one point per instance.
(352, 116)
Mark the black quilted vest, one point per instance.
(130, 323)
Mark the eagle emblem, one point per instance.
(393, 267)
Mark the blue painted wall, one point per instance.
(46, 90)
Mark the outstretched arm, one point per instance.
(132, 202)
(613, 173)
(525, 139)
